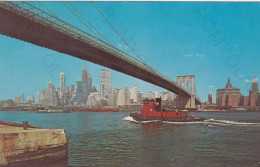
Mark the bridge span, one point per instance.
(25, 22)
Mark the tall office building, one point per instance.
(30, 99)
(127, 96)
(40, 98)
(254, 95)
(121, 97)
(210, 98)
(84, 74)
(19, 100)
(89, 83)
(83, 87)
(50, 95)
(106, 88)
(134, 94)
(62, 80)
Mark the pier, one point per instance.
(25, 145)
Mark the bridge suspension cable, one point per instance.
(81, 20)
(118, 33)
(88, 22)
(47, 9)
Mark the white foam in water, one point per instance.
(227, 122)
(209, 122)
(129, 118)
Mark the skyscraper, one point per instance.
(254, 87)
(105, 85)
(121, 98)
(84, 74)
(62, 81)
(50, 95)
(89, 83)
(83, 87)
(127, 96)
(210, 98)
(40, 98)
(134, 94)
(254, 95)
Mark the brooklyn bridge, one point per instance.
(23, 21)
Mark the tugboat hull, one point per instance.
(140, 117)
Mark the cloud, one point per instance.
(211, 86)
(187, 55)
(200, 55)
(246, 80)
(197, 55)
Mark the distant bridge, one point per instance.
(25, 22)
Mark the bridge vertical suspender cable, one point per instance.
(48, 9)
(118, 33)
(88, 22)
(81, 20)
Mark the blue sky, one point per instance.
(213, 41)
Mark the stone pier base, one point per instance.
(32, 147)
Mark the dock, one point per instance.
(26, 145)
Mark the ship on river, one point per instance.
(152, 110)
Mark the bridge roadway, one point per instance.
(32, 25)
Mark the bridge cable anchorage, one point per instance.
(81, 20)
(88, 22)
(118, 33)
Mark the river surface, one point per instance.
(228, 139)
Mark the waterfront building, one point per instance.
(210, 98)
(134, 94)
(30, 99)
(228, 96)
(84, 73)
(166, 96)
(83, 88)
(112, 99)
(254, 95)
(89, 83)
(95, 99)
(62, 80)
(63, 91)
(127, 96)
(19, 100)
(40, 98)
(72, 89)
(7, 103)
(148, 95)
(50, 95)
(105, 85)
(121, 97)
(81, 93)
(156, 94)
(140, 97)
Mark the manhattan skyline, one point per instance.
(175, 41)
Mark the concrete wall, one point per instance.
(27, 147)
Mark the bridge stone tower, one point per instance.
(184, 101)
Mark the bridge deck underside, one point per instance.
(22, 28)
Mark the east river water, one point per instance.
(228, 139)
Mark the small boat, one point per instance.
(152, 110)
(96, 109)
(53, 111)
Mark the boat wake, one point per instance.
(228, 122)
(208, 122)
(131, 119)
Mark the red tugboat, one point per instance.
(152, 110)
